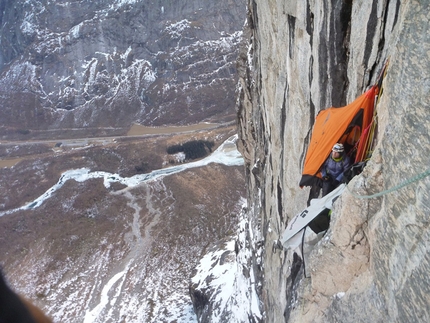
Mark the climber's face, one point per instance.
(335, 154)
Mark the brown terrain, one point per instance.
(168, 223)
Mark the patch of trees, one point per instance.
(143, 168)
(23, 131)
(192, 149)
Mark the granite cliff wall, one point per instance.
(302, 57)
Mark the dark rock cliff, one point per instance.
(107, 64)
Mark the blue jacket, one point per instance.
(335, 168)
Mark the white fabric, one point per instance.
(307, 215)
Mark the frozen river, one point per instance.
(226, 154)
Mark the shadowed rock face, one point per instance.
(111, 63)
(304, 57)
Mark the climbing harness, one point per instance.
(395, 188)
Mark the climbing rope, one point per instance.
(395, 188)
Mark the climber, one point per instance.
(333, 168)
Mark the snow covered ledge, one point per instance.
(222, 286)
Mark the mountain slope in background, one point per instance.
(71, 71)
(99, 66)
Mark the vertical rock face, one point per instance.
(302, 57)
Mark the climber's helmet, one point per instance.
(338, 148)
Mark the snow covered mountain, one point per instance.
(84, 233)
(97, 66)
(188, 245)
